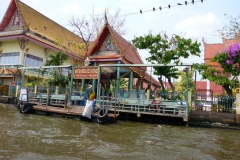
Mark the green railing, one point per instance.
(225, 103)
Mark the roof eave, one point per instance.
(7, 16)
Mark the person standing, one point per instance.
(92, 98)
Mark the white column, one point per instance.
(238, 103)
(208, 88)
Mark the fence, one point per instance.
(221, 103)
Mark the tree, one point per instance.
(230, 64)
(229, 59)
(57, 60)
(232, 30)
(88, 30)
(164, 50)
(123, 83)
(181, 85)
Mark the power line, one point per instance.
(161, 8)
(154, 9)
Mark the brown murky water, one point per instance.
(43, 137)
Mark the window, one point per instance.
(33, 61)
(10, 58)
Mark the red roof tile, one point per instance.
(151, 79)
(108, 56)
(210, 50)
(129, 52)
(11, 70)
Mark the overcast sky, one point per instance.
(193, 21)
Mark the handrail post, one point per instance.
(70, 88)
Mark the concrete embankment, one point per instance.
(214, 119)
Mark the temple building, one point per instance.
(27, 38)
(111, 48)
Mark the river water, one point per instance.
(43, 137)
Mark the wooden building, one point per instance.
(111, 48)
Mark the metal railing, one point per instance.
(222, 103)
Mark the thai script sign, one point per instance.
(86, 73)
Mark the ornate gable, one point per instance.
(108, 49)
(15, 23)
(109, 45)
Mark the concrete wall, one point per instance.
(10, 46)
(34, 49)
(37, 50)
(213, 117)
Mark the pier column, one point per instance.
(238, 102)
(130, 85)
(118, 78)
(238, 107)
(98, 84)
(190, 99)
(186, 95)
(108, 85)
(83, 83)
(94, 81)
(141, 85)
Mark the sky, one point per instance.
(191, 21)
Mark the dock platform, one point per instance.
(73, 110)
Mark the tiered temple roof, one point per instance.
(127, 53)
(24, 20)
(20, 20)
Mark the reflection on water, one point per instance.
(43, 137)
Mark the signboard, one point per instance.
(86, 73)
(23, 94)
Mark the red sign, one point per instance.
(86, 73)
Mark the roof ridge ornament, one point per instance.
(105, 16)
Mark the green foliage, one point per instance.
(32, 81)
(57, 60)
(164, 51)
(213, 75)
(123, 83)
(58, 80)
(181, 85)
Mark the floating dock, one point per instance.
(73, 110)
